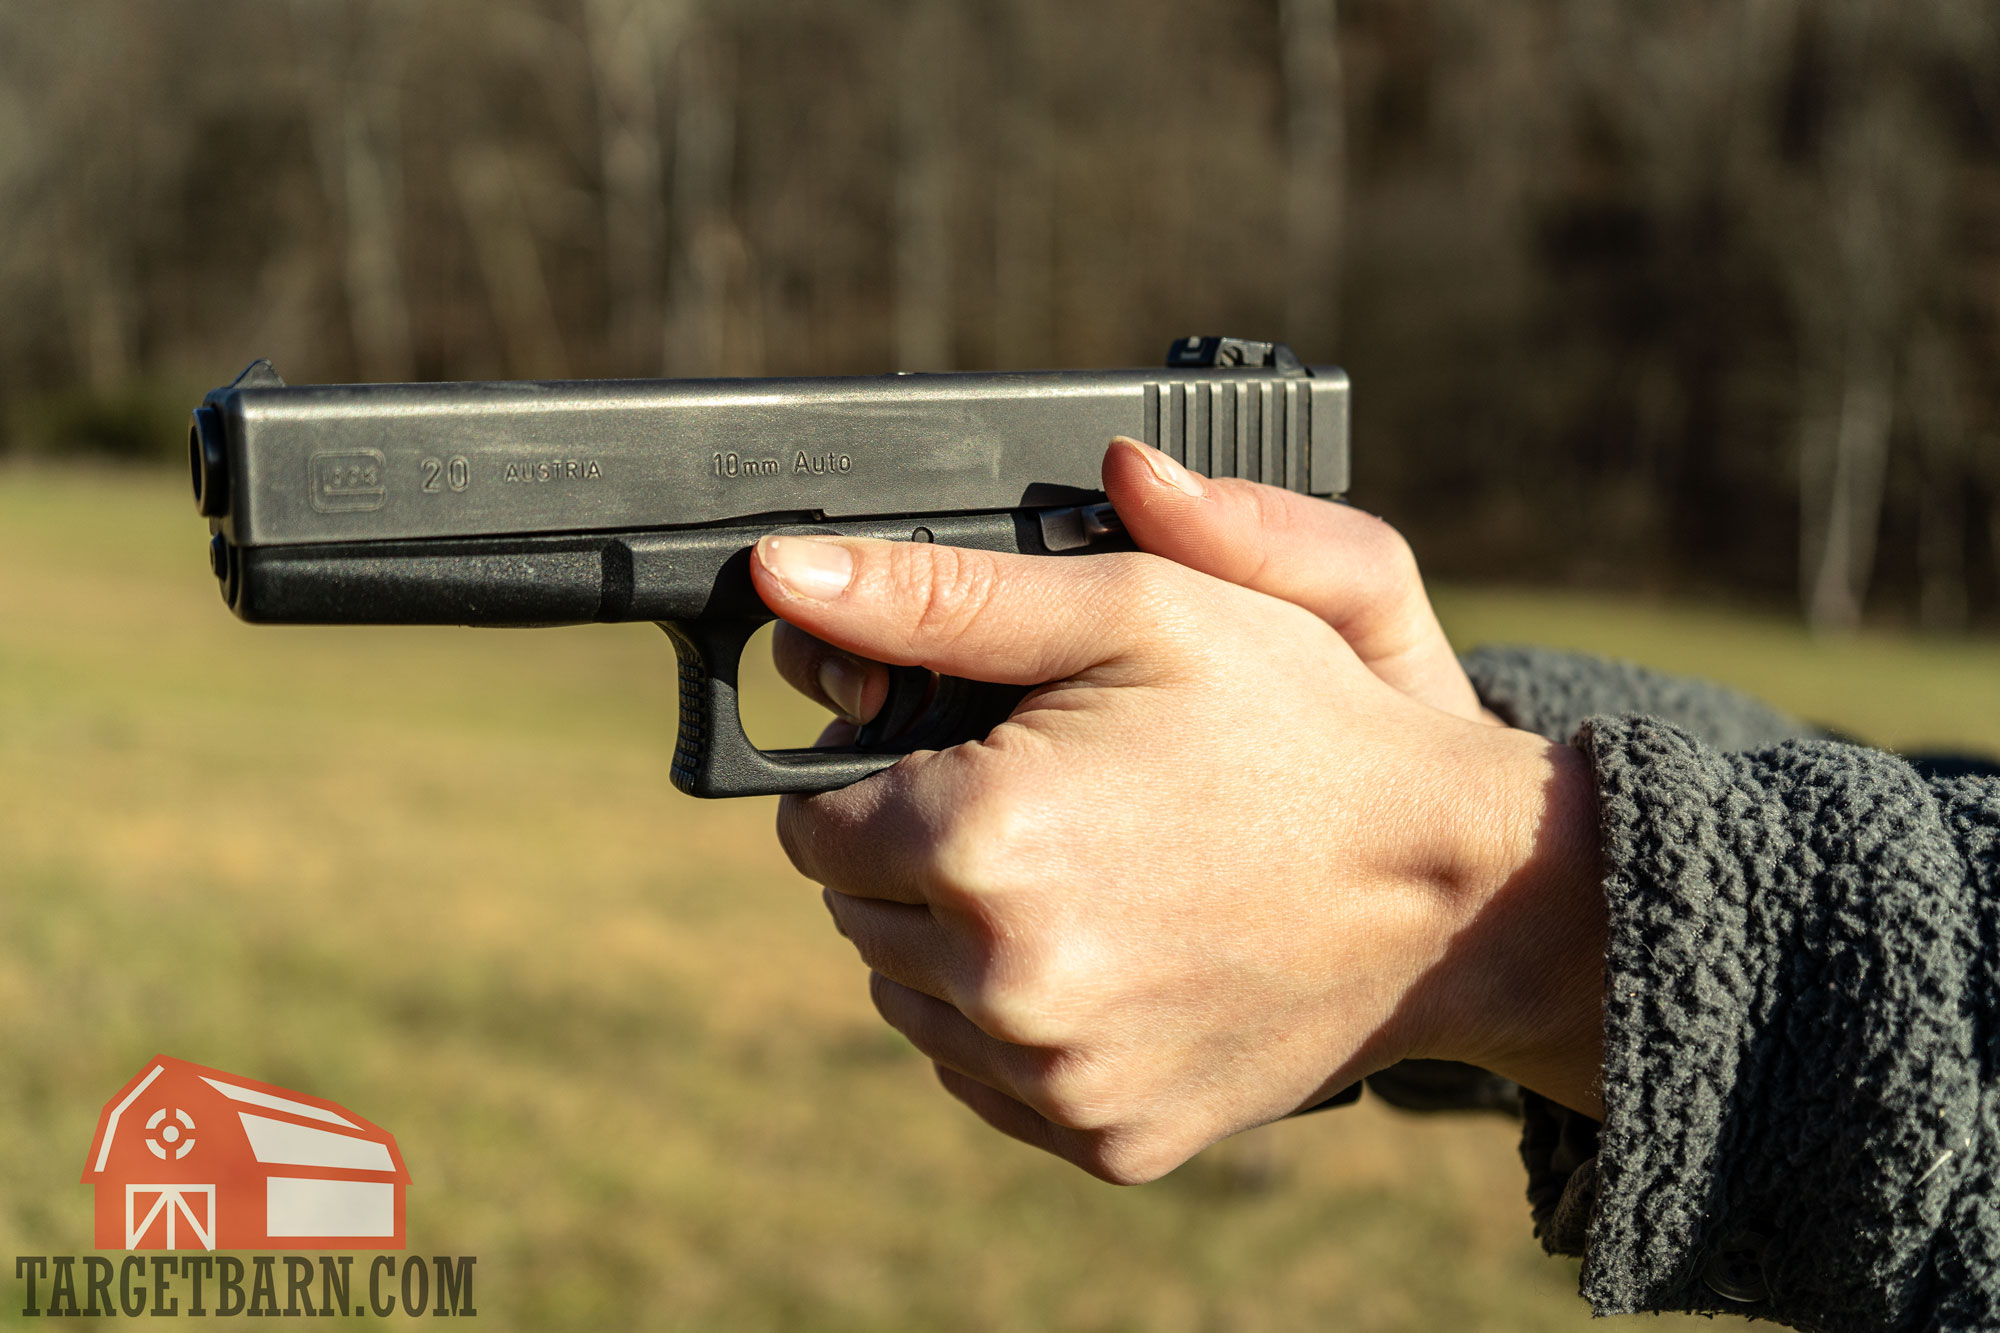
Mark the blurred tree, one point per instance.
(1021, 183)
(629, 41)
(1858, 261)
(351, 57)
(1938, 421)
(712, 264)
(1315, 170)
(503, 236)
(927, 37)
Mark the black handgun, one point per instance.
(615, 500)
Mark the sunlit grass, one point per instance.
(441, 875)
(1895, 690)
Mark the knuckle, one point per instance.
(879, 995)
(969, 861)
(1275, 520)
(796, 833)
(1028, 995)
(1149, 591)
(1013, 1014)
(1145, 579)
(976, 852)
(1389, 553)
(1276, 511)
(948, 589)
(1136, 1158)
(818, 835)
(903, 1010)
(1074, 1094)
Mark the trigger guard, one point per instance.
(713, 756)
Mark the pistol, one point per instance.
(564, 503)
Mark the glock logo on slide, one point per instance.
(350, 481)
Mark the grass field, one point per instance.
(441, 876)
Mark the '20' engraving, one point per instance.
(440, 473)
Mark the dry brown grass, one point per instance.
(441, 876)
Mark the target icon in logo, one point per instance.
(178, 1139)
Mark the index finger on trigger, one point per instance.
(1011, 619)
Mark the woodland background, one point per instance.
(1690, 296)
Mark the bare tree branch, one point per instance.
(927, 37)
(1315, 171)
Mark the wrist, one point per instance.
(1521, 977)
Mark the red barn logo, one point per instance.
(192, 1158)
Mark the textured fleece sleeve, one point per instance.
(1802, 1104)
(1551, 693)
(1802, 1027)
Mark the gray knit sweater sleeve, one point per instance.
(1802, 1016)
(1551, 694)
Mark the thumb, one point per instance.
(1011, 619)
(1347, 567)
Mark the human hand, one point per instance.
(1347, 567)
(1215, 870)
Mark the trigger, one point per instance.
(911, 690)
(926, 711)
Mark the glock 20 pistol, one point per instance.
(614, 500)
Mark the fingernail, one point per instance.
(841, 680)
(808, 566)
(1172, 473)
(826, 897)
